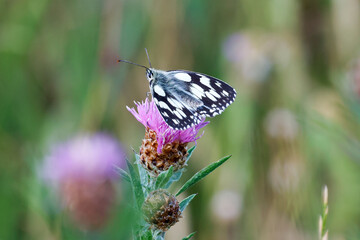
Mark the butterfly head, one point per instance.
(150, 75)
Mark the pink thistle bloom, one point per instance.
(148, 114)
(82, 171)
(85, 156)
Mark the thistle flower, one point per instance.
(162, 146)
(161, 209)
(81, 171)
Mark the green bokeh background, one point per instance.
(59, 77)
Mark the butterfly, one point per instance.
(185, 98)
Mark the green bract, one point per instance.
(154, 200)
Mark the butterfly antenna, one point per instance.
(147, 54)
(132, 63)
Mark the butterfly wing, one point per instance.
(214, 94)
(176, 111)
(184, 98)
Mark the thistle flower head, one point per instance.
(162, 146)
(85, 156)
(81, 170)
(148, 114)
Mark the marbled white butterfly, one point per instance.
(184, 98)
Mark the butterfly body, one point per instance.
(185, 98)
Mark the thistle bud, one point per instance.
(161, 209)
(325, 195)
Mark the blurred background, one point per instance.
(293, 128)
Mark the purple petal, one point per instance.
(84, 156)
(148, 114)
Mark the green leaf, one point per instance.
(144, 176)
(123, 174)
(137, 157)
(164, 177)
(189, 236)
(147, 235)
(174, 178)
(136, 185)
(190, 151)
(201, 174)
(186, 202)
(160, 236)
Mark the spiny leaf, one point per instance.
(163, 178)
(201, 174)
(186, 202)
(136, 185)
(190, 151)
(189, 236)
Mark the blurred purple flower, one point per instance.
(85, 156)
(82, 171)
(148, 114)
(236, 47)
(249, 55)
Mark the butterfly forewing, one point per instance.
(184, 98)
(174, 112)
(214, 94)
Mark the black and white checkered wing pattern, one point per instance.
(214, 94)
(184, 98)
(174, 110)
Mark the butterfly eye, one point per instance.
(149, 74)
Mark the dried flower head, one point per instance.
(162, 146)
(281, 124)
(81, 170)
(285, 173)
(226, 206)
(161, 209)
